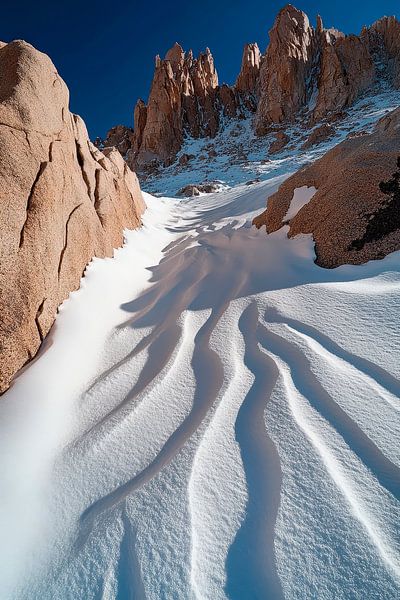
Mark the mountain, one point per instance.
(62, 202)
(215, 413)
(307, 74)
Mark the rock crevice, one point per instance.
(43, 249)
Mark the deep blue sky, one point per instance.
(105, 50)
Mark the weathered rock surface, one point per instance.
(317, 71)
(348, 199)
(182, 99)
(286, 68)
(199, 188)
(306, 73)
(62, 201)
(383, 39)
(121, 138)
(247, 83)
(277, 145)
(185, 98)
(318, 135)
(346, 69)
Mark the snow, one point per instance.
(213, 416)
(301, 197)
(241, 156)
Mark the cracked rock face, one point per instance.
(185, 99)
(246, 84)
(346, 70)
(182, 100)
(306, 73)
(286, 68)
(62, 202)
(383, 38)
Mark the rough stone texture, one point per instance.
(383, 38)
(121, 138)
(347, 180)
(182, 99)
(247, 80)
(247, 83)
(286, 68)
(306, 73)
(228, 100)
(318, 135)
(199, 188)
(320, 70)
(280, 141)
(62, 201)
(346, 70)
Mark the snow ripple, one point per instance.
(227, 429)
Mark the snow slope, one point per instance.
(236, 155)
(213, 416)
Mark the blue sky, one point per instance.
(105, 49)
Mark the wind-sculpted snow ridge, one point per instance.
(213, 417)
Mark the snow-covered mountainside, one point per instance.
(237, 155)
(213, 416)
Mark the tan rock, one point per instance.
(286, 69)
(346, 70)
(280, 141)
(62, 201)
(348, 195)
(318, 135)
(247, 83)
(183, 98)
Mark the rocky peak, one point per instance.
(384, 41)
(182, 99)
(306, 73)
(247, 80)
(345, 70)
(286, 68)
(176, 56)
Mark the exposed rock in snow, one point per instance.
(62, 201)
(349, 195)
(280, 141)
(200, 188)
(308, 74)
(318, 135)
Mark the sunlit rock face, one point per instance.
(353, 215)
(307, 73)
(62, 201)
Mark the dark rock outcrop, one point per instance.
(383, 39)
(62, 202)
(278, 144)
